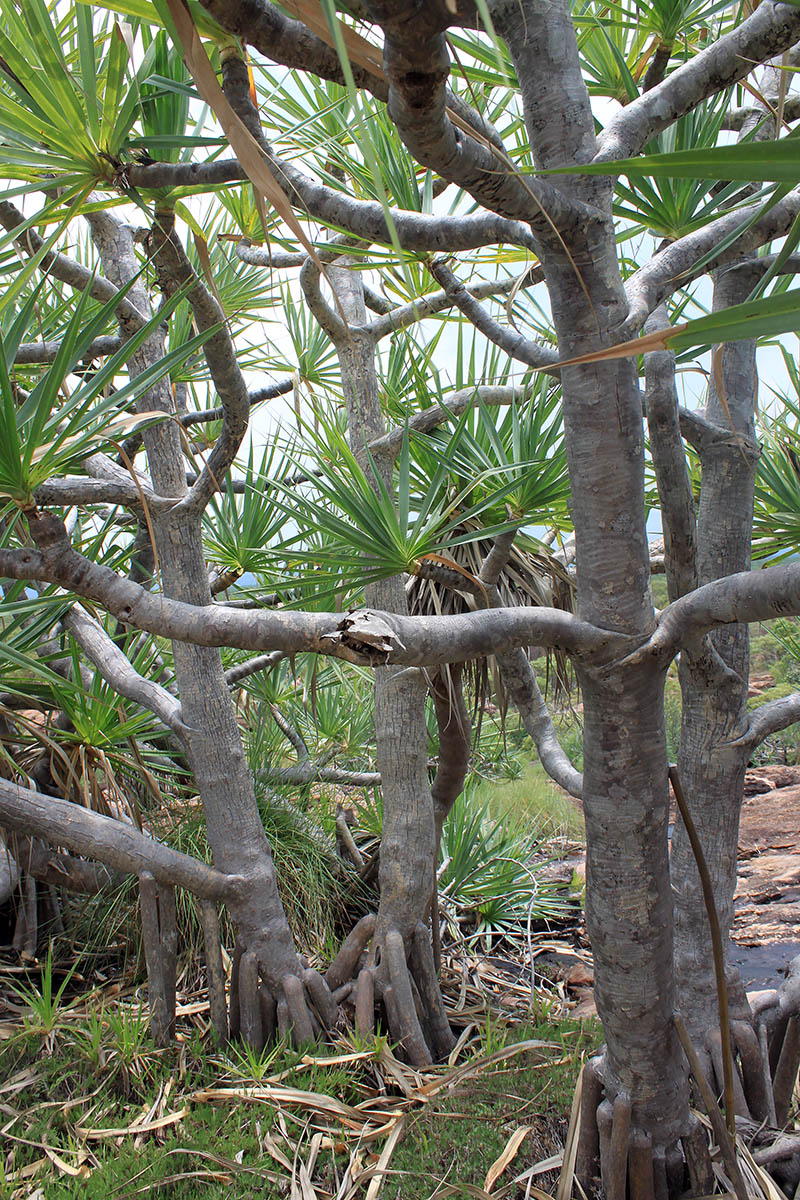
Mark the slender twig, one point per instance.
(726, 1145)
(716, 946)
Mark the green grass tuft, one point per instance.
(534, 800)
(222, 1146)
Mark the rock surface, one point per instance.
(768, 892)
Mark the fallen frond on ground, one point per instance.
(90, 1107)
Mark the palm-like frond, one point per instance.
(241, 529)
(776, 524)
(371, 533)
(25, 624)
(487, 883)
(618, 40)
(522, 449)
(53, 428)
(672, 207)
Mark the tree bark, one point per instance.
(407, 854)
(212, 740)
(710, 765)
(625, 794)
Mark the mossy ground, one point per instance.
(70, 1094)
(456, 1140)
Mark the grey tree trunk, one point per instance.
(211, 735)
(625, 793)
(408, 840)
(711, 768)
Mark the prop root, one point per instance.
(160, 937)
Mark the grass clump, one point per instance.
(93, 1109)
(534, 801)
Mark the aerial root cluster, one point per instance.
(371, 969)
(619, 1158)
(765, 1043)
(775, 1023)
(297, 1006)
(378, 967)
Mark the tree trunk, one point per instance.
(715, 714)
(212, 740)
(407, 851)
(625, 794)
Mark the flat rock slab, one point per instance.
(767, 923)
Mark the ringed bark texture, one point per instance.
(711, 768)
(628, 900)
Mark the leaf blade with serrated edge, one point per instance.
(244, 145)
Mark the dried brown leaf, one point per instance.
(359, 50)
(136, 1127)
(272, 1148)
(79, 1172)
(508, 1155)
(658, 340)
(242, 142)
(566, 1179)
(383, 1162)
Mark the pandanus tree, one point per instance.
(415, 139)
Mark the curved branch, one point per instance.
(737, 118)
(391, 443)
(204, 416)
(291, 43)
(262, 662)
(295, 44)
(114, 843)
(454, 727)
(62, 870)
(114, 666)
(31, 353)
(289, 732)
(673, 267)
(369, 638)
(770, 718)
(394, 317)
(522, 686)
(324, 315)
(516, 672)
(417, 65)
(699, 432)
(365, 219)
(260, 256)
(79, 489)
(519, 680)
(746, 596)
(305, 773)
(669, 462)
(175, 270)
(60, 266)
(513, 343)
(771, 29)
(257, 396)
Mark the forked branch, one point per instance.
(114, 843)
